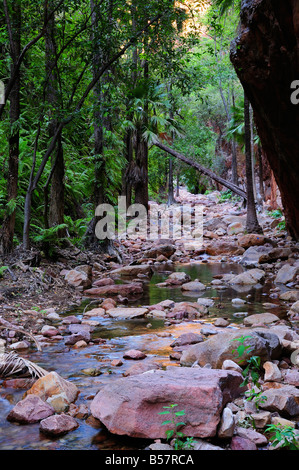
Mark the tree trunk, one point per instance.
(8, 226)
(205, 171)
(252, 225)
(266, 60)
(56, 180)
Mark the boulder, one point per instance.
(286, 274)
(290, 296)
(220, 347)
(57, 425)
(223, 248)
(284, 399)
(272, 372)
(178, 278)
(131, 406)
(160, 250)
(121, 312)
(256, 437)
(253, 276)
(186, 339)
(104, 282)
(251, 239)
(142, 367)
(31, 409)
(227, 424)
(235, 228)
(134, 354)
(275, 254)
(260, 318)
(252, 255)
(241, 443)
(133, 270)
(52, 388)
(193, 286)
(77, 278)
(116, 289)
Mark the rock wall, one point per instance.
(266, 59)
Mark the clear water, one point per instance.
(120, 336)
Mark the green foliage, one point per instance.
(2, 270)
(180, 442)
(283, 436)
(49, 238)
(252, 372)
(276, 214)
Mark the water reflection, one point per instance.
(121, 335)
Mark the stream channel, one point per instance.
(122, 335)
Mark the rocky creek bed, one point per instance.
(158, 329)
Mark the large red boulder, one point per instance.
(131, 406)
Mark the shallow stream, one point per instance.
(123, 335)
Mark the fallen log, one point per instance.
(235, 189)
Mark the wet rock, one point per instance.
(116, 363)
(92, 371)
(126, 404)
(31, 409)
(205, 302)
(260, 318)
(193, 286)
(18, 383)
(104, 282)
(58, 425)
(177, 278)
(19, 345)
(121, 312)
(290, 296)
(49, 331)
(142, 367)
(253, 276)
(117, 289)
(133, 270)
(186, 339)
(95, 312)
(52, 386)
(134, 354)
(221, 322)
(71, 319)
(219, 348)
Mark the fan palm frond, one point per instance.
(11, 365)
